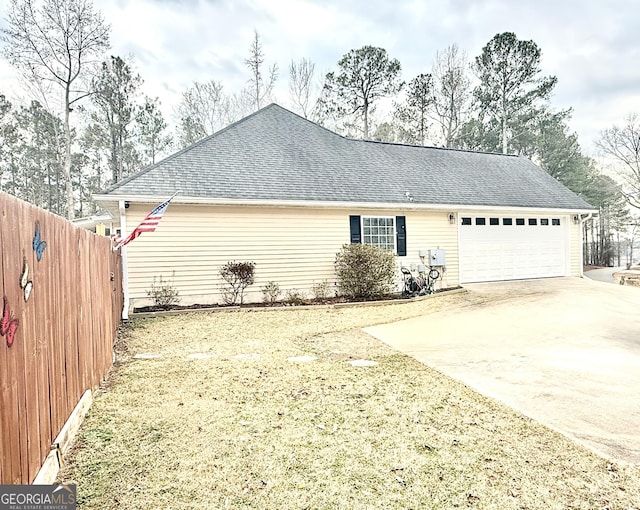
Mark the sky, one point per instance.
(592, 47)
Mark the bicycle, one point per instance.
(420, 285)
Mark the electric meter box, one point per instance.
(436, 257)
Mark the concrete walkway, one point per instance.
(563, 351)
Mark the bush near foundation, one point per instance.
(365, 271)
(237, 276)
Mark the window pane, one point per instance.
(555, 221)
(544, 221)
(379, 232)
(507, 221)
(481, 221)
(494, 221)
(519, 221)
(466, 221)
(533, 221)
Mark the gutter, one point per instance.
(125, 264)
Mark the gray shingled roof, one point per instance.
(275, 154)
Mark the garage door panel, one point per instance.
(509, 252)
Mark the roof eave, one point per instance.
(110, 202)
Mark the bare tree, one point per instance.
(622, 144)
(451, 92)
(56, 41)
(261, 85)
(236, 106)
(301, 85)
(201, 111)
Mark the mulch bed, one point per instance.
(277, 304)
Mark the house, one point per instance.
(285, 193)
(100, 224)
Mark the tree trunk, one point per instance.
(452, 107)
(366, 120)
(67, 155)
(592, 254)
(504, 133)
(50, 198)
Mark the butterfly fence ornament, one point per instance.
(38, 243)
(25, 284)
(8, 323)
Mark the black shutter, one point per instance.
(354, 222)
(401, 235)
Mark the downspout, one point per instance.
(582, 222)
(125, 266)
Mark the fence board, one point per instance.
(63, 344)
(28, 343)
(15, 356)
(6, 459)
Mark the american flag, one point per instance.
(149, 224)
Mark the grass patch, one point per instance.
(223, 432)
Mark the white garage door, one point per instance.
(507, 247)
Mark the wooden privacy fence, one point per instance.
(62, 300)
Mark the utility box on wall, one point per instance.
(436, 257)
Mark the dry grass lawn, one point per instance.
(265, 433)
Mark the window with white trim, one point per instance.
(379, 231)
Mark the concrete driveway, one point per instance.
(563, 351)
(603, 274)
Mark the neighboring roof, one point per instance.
(91, 221)
(277, 155)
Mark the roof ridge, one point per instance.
(382, 142)
(314, 124)
(453, 149)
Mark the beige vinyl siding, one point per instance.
(428, 230)
(575, 243)
(295, 247)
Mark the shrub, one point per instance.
(296, 297)
(271, 292)
(365, 271)
(321, 290)
(163, 292)
(237, 277)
